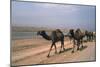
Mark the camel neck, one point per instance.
(46, 36)
(72, 34)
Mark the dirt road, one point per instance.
(37, 54)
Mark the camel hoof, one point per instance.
(48, 56)
(59, 51)
(77, 48)
(64, 49)
(72, 51)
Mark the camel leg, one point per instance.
(55, 49)
(50, 50)
(63, 46)
(78, 45)
(73, 46)
(82, 43)
(87, 38)
(60, 49)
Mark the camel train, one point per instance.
(57, 35)
(90, 35)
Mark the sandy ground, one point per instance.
(34, 51)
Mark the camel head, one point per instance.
(44, 35)
(41, 32)
(71, 31)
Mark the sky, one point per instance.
(49, 15)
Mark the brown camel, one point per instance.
(77, 38)
(55, 36)
(90, 35)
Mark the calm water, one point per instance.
(26, 35)
(22, 35)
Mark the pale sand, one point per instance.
(34, 51)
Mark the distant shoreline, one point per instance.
(35, 29)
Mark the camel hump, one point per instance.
(58, 30)
(57, 33)
(78, 31)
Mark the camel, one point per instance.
(77, 38)
(55, 36)
(90, 35)
(69, 36)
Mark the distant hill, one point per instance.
(30, 29)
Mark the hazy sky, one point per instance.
(53, 15)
